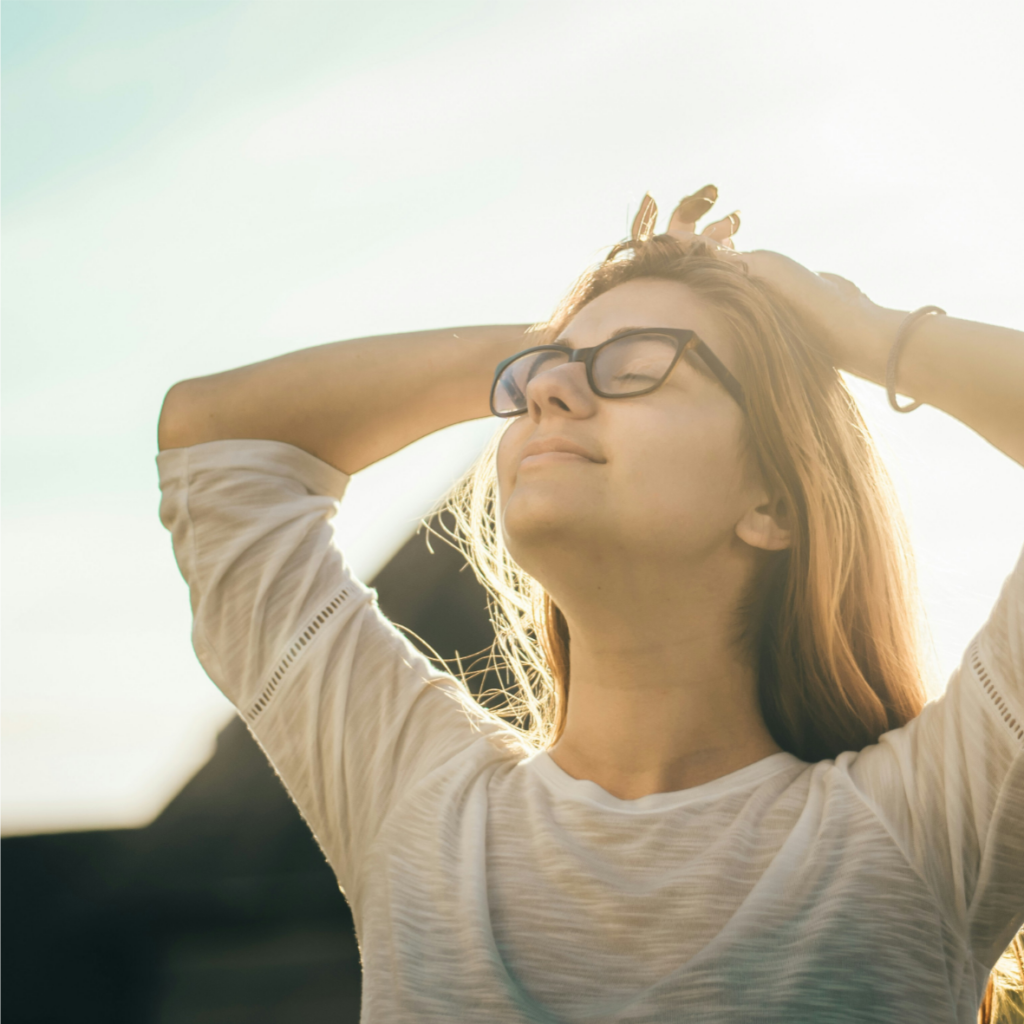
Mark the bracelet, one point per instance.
(901, 337)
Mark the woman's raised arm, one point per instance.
(972, 371)
(349, 403)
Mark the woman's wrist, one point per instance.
(866, 354)
(971, 371)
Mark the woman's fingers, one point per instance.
(723, 230)
(683, 222)
(690, 209)
(645, 219)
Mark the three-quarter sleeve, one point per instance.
(950, 784)
(350, 714)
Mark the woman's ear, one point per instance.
(767, 526)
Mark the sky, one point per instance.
(187, 187)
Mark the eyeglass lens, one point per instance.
(627, 366)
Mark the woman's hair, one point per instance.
(831, 622)
(1003, 1002)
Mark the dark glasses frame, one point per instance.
(685, 340)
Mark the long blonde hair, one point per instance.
(831, 623)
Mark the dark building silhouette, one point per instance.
(223, 910)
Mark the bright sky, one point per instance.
(192, 186)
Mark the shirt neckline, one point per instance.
(585, 791)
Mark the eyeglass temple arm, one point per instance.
(721, 371)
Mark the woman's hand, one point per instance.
(970, 370)
(856, 332)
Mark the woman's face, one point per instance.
(661, 476)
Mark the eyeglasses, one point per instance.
(632, 363)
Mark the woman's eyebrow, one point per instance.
(619, 330)
(626, 330)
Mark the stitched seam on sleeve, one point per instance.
(875, 811)
(988, 684)
(294, 652)
(195, 561)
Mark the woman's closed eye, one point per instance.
(637, 377)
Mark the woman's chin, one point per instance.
(535, 513)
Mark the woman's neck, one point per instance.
(661, 697)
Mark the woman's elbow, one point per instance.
(179, 422)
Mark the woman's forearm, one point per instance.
(970, 370)
(349, 403)
(973, 371)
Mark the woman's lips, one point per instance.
(542, 457)
(562, 446)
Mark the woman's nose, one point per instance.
(562, 390)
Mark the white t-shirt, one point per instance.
(487, 884)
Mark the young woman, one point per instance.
(724, 799)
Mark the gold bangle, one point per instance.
(897, 346)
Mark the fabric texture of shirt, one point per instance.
(487, 884)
